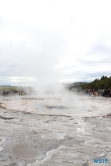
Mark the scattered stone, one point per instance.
(86, 164)
(12, 164)
(109, 114)
(6, 118)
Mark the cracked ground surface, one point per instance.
(31, 138)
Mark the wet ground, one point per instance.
(29, 137)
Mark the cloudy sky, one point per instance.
(62, 40)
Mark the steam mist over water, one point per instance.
(56, 99)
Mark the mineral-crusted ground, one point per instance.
(31, 137)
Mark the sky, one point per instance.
(54, 41)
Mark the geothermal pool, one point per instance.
(64, 130)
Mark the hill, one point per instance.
(103, 83)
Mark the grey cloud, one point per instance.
(96, 74)
(100, 48)
(94, 63)
(89, 76)
(1, 21)
(102, 62)
(102, 51)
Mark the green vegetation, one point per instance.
(103, 83)
(7, 88)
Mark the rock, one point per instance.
(12, 164)
(86, 164)
(109, 114)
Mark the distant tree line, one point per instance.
(103, 83)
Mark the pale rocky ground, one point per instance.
(33, 132)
